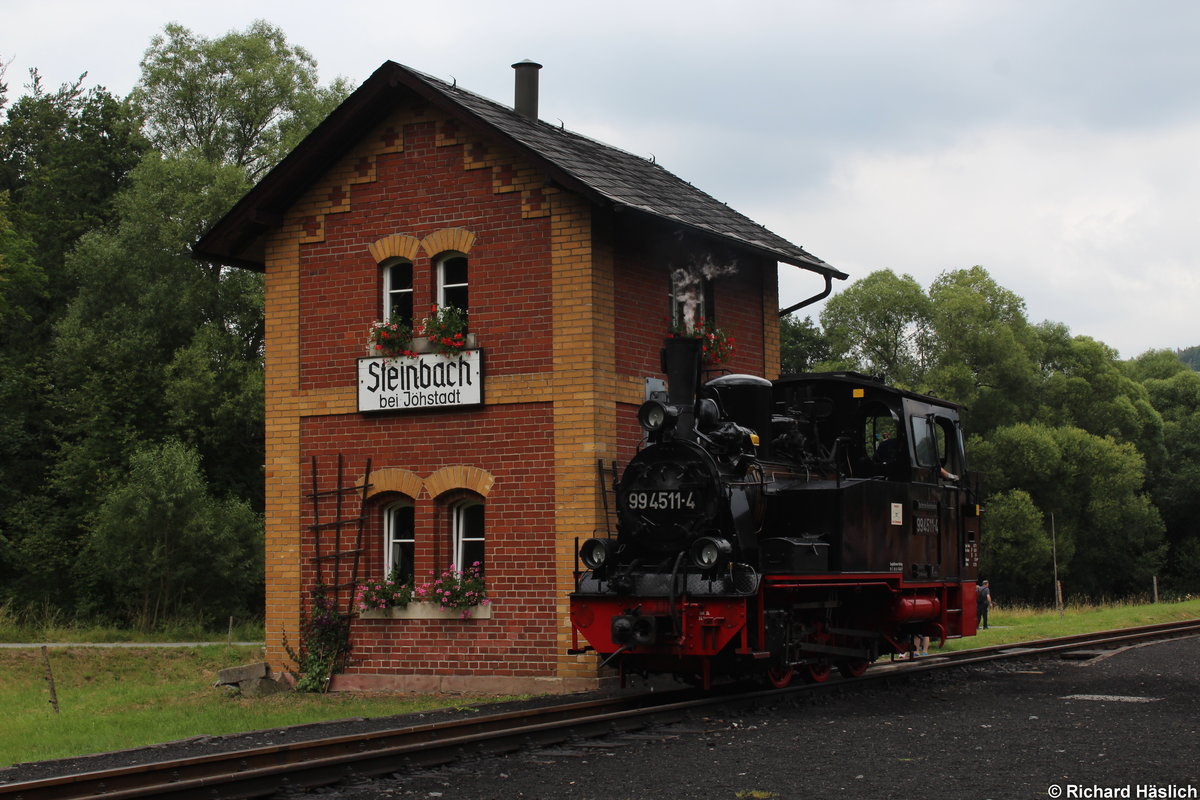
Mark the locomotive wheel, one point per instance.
(780, 677)
(853, 669)
(817, 673)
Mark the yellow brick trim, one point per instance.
(531, 209)
(394, 479)
(473, 148)
(457, 239)
(283, 500)
(583, 314)
(460, 476)
(397, 245)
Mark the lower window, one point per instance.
(401, 544)
(468, 531)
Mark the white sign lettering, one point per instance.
(427, 381)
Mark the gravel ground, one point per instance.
(1012, 730)
(1002, 731)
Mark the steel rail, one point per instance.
(265, 770)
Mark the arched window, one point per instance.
(398, 290)
(467, 529)
(452, 281)
(399, 541)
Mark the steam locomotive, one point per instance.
(781, 529)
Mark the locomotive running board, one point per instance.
(828, 649)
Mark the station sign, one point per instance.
(427, 381)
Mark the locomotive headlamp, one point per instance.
(594, 552)
(621, 629)
(655, 415)
(708, 551)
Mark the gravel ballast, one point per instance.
(1127, 722)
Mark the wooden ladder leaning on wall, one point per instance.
(341, 564)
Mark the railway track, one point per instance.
(265, 770)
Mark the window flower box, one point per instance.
(416, 347)
(456, 595)
(421, 610)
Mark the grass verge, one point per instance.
(1022, 624)
(119, 698)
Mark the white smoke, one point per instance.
(687, 285)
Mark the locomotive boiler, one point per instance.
(784, 528)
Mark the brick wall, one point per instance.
(570, 314)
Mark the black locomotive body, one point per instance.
(781, 528)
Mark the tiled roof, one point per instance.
(623, 179)
(605, 174)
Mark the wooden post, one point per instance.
(229, 636)
(1156, 588)
(50, 679)
(1054, 554)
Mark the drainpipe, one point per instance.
(783, 312)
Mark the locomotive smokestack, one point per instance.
(526, 96)
(681, 362)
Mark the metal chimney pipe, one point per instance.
(526, 102)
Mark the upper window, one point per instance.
(690, 300)
(468, 535)
(452, 281)
(399, 542)
(398, 291)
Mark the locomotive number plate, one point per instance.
(661, 501)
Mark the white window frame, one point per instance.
(442, 286)
(393, 535)
(389, 291)
(461, 536)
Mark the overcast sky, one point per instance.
(1055, 143)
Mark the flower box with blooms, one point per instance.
(387, 593)
(391, 339)
(445, 328)
(451, 595)
(716, 347)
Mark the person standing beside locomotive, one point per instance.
(983, 601)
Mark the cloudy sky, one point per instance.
(1055, 142)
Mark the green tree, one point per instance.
(154, 345)
(142, 303)
(801, 345)
(1109, 535)
(167, 548)
(246, 98)
(986, 353)
(1088, 388)
(880, 325)
(63, 156)
(1017, 553)
(1174, 391)
(23, 431)
(1191, 357)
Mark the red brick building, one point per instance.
(572, 260)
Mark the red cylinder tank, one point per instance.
(912, 609)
